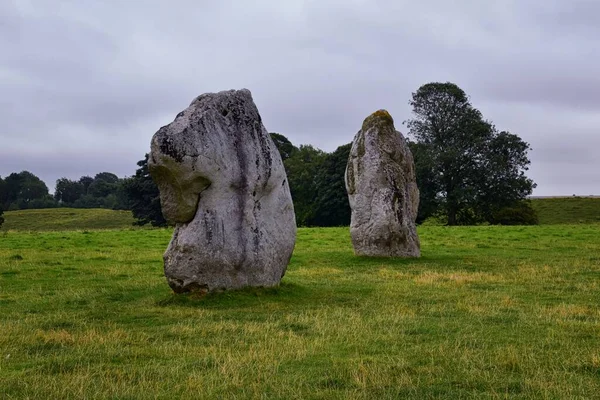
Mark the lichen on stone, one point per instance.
(379, 118)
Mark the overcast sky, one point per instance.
(85, 84)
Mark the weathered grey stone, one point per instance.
(223, 183)
(382, 190)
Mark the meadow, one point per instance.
(486, 312)
(49, 219)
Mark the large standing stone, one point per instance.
(382, 190)
(222, 182)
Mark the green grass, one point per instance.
(567, 210)
(487, 312)
(54, 219)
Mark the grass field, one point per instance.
(50, 219)
(567, 210)
(487, 312)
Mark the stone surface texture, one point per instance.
(382, 190)
(223, 184)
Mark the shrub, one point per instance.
(520, 214)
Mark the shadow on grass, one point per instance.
(235, 298)
(280, 297)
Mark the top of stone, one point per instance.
(379, 118)
(242, 93)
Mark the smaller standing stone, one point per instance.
(382, 190)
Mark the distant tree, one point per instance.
(86, 181)
(103, 185)
(331, 204)
(3, 193)
(11, 188)
(143, 196)
(25, 190)
(68, 191)
(302, 168)
(467, 168)
(285, 147)
(1, 201)
(89, 201)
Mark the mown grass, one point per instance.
(567, 210)
(54, 219)
(487, 312)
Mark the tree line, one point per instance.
(467, 171)
(24, 190)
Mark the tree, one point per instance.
(331, 204)
(25, 190)
(103, 185)
(86, 181)
(285, 147)
(2, 192)
(429, 202)
(467, 169)
(143, 196)
(301, 169)
(68, 191)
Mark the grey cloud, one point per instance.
(86, 84)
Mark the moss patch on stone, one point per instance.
(379, 118)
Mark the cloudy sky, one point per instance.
(86, 83)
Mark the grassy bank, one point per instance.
(567, 210)
(487, 312)
(53, 219)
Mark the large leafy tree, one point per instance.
(466, 170)
(143, 196)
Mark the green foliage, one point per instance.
(63, 218)
(429, 199)
(103, 185)
(67, 191)
(86, 181)
(105, 190)
(487, 312)
(1, 216)
(316, 182)
(466, 169)
(331, 204)
(567, 210)
(24, 190)
(143, 196)
(283, 144)
(302, 168)
(520, 213)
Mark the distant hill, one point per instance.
(551, 210)
(567, 210)
(53, 219)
